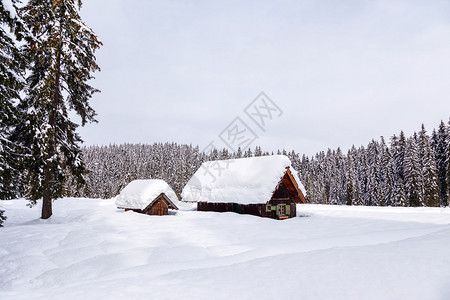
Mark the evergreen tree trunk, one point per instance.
(49, 173)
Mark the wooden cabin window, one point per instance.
(281, 210)
(268, 208)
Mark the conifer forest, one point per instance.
(404, 171)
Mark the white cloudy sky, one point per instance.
(343, 72)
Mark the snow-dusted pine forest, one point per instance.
(404, 171)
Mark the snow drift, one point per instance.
(89, 249)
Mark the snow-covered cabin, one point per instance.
(265, 186)
(147, 196)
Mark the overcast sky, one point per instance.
(338, 72)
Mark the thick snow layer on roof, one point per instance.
(140, 193)
(246, 180)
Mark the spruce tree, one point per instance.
(340, 162)
(448, 158)
(412, 171)
(248, 153)
(238, 153)
(374, 188)
(357, 178)
(322, 178)
(224, 154)
(258, 151)
(362, 175)
(61, 60)
(428, 170)
(399, 195)
(388, 175)
(11, 84)
(328, 176)
(398, 147)
(350, 185)
(441, 144)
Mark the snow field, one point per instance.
(89, 249)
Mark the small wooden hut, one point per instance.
(159, 206)
(265, 186)
(151, 197)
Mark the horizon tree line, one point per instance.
(409, 171)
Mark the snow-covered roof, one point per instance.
(138, 194)
(246, 180)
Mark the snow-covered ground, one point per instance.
(91, 250)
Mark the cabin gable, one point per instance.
(291, 185)
(158, 207)
(281, 191)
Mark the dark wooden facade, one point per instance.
(281, 205)
(158, 207)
